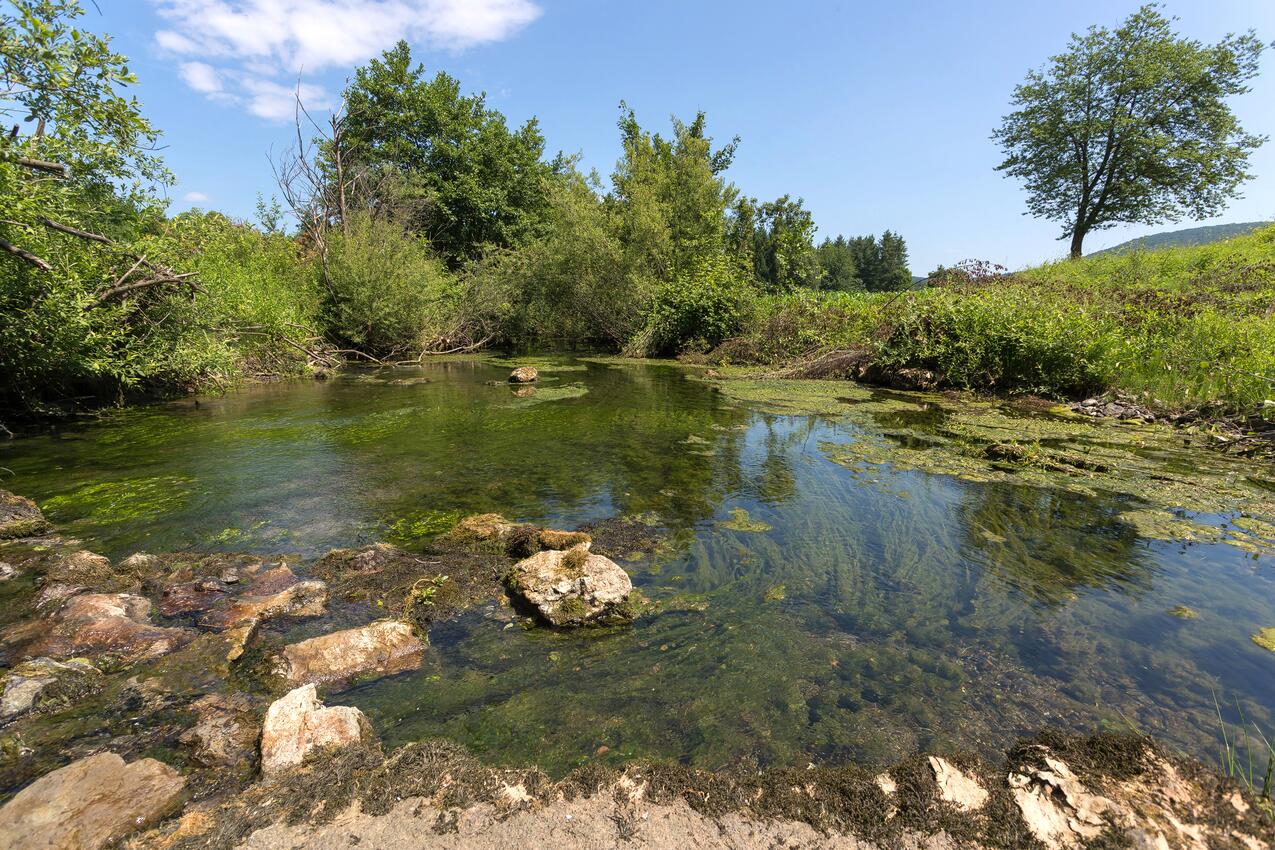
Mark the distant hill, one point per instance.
(1187, 237)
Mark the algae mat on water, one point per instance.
(1165, 479)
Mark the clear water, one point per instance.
(881, 611)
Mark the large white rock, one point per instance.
(298, 723)
(383, 648)
(571, 588)
(89, 804)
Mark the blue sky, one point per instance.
(877, 114)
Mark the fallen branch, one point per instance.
(26, 255)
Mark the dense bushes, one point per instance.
(700, 308)
(387, 294)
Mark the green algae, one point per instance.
(741, 521)
(540, 395)
(421, 525)
(1183, 612)
(1265, 638)
(123, 500)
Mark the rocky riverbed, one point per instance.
(155, 702)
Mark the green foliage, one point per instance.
(697, 310)
(466, 180)
(387, 294)
(1131, 125)
(783, 246)
(837, 266)
(1178, 328)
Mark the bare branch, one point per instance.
(23, 254)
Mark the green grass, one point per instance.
(1179, 328)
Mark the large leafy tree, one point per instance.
(1131, 125)
(669, 198)
(463, 179)
(784, 251)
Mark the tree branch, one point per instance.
(26, 255)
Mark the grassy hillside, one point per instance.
(1186, 238)
(1182, 328)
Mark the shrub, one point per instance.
(386, 293)
(697, 310)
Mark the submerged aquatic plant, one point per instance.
(1239, 752)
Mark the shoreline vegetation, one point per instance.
(416, 221)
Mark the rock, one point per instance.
(384, 647)
(552, 539)
(1056, 807)
(226, 734)
(482, 527)
(93, 624)
(523, 375)
(571, 588)
(83, 569)
(89, 804)
(7, 571)
(20, 517)
(957, 787)
(298, 723)
(274, 593)
(31, 684)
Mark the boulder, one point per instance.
(383, 648)
(43, 681)
(523, 375)
(20, 517)
(94, 624)
(89, 804)
(571, 588)
(298, 723)
(226, 733)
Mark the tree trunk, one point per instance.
(1077, 240)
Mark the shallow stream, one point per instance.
(841, 574)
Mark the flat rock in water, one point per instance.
(384, 648)
(523, 375)
(274, 593)
(226, 734)
(572, 587)
(298, 723)
(89, 804)
(20, 517)
(24, 687)
(96, 624)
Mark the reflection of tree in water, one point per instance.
(1048, 544)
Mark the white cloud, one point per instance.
(200, 76)
(195, 197)
(254, 43)
(270, 100)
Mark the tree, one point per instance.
(668, 197)
(470, 182)
(893, 272)
(1131, 126)
(784, 251)
(837, 270)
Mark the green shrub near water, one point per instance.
(1180, 328)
